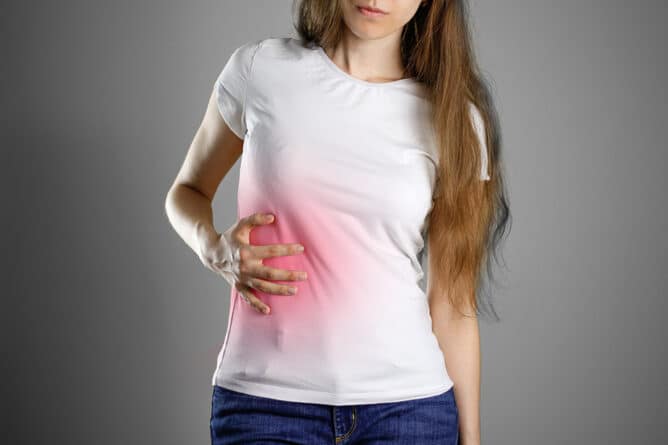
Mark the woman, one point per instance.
(368, 135)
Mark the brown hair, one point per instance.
(469, 216)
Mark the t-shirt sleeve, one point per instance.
(479, 126)
(232, 84)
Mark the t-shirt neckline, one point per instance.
(335, 68)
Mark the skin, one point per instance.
(369, 50)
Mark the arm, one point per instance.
(459, 339)
(214, 150)
(212, 153)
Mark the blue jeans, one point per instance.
(238, 418)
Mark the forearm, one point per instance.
(189, 211)
(459, 340)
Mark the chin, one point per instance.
(369, 31)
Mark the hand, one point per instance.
(231, 255)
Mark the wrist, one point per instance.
(204, 234)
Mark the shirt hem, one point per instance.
(328, 398)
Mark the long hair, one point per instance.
(469, 216)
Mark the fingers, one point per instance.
(247, 295)
(243, 262)
(241, 230)
(273, 250)
(269, 287)
(257, 219)
(273, 274)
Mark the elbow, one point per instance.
(168, 201)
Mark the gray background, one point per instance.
(112, 326)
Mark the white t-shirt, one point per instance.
(348, 168)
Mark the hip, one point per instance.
(240, 418)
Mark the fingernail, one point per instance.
(269, 217)
(265, 310)
(300, 248)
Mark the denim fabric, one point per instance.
(238, 418)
